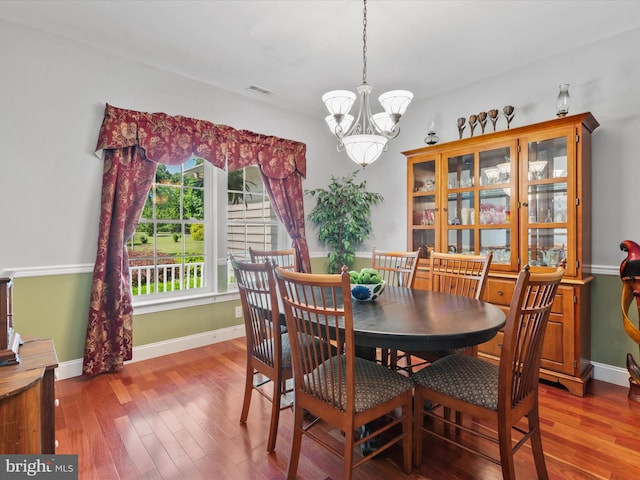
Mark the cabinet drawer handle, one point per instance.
(500, 292)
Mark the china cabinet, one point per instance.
(525, 195)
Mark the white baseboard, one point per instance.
(73, 368)
(610, 374)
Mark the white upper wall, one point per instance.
(54, 92)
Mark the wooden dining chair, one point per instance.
(457, 274)
(490, 395)
(268, 348)
(398, 269)
(343, 390)
(282, 258)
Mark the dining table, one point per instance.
(422, 320)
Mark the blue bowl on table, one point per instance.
(367, 292)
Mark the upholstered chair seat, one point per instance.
(375, 384)
(464, 377)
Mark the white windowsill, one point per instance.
(140, 306)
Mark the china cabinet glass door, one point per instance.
(461, 203)
(480, 202)
(549, 201)
(424, 215)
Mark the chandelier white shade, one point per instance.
(365, 136)
(339, 102)
(344, 125)
(395, 102)
(364, 149)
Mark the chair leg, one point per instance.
(407, 442)
(248, 389)
(506, 452)
(418, 422)
(536, 445)
(296, 442)
(349, 439)
(385, 357)
(275, 412)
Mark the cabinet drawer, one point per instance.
(499, 292)
(493, 346)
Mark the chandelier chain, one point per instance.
(364, 44)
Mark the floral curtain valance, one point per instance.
(172, 140)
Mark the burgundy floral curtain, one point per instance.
(282, 167)
(133, 143)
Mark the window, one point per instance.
(251, 222)
(182, 241)
(167, 251)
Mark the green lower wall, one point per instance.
(609, 342)
(56, 306)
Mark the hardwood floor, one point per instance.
(177, 417)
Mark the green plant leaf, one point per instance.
(342, 213)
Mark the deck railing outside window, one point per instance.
(172, 277)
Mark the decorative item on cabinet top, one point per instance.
(431, 138)
(564, 101)
(481, 119)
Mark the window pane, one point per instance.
(548, 159)
(494, 206)
(167, 252)
(193, 203)
(494, 166)
(251, 222)
(461, 241)
(460, 171)
(497, 241)
(547, 246)
(548, 203)
(461, 208)
(167, 202)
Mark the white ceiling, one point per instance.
(298, 49)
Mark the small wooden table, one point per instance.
(27, 400)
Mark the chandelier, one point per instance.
(365, 137)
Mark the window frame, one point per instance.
(216, 223)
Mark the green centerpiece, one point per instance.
(367, 284)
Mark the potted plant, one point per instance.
(342, 213)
